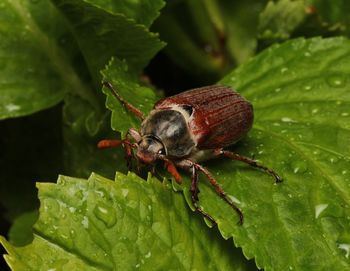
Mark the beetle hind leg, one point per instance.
(194, 196)
(251, 162)
(220, 191)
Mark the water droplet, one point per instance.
(12, 107)
(101, 192)
(333, 159)
(346, 248)
(336, 81)
(344, 172)
(344, 114)
(277, 90)
(106, 214)
(85, 222)
(72, 209)
(287, 119)
(299, 166)
(307, 54)
(234, 199)
(125, 192)
(149, 254)
(314, 111)
(284, 70)
(307, 87)
(319, 209)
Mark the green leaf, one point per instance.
(143, 12)
(280, 19)
(127, 84)
(98, 224)
(238, 22)
(101, 35)
(333, 15)
(20, 233)
(301, 94)
(32, 63)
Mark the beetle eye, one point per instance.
(161, 151)
(188, 108)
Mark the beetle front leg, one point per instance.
(251, 162)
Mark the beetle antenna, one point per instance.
(135, 111)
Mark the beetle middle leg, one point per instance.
(251, 162)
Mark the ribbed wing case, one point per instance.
(220, 116)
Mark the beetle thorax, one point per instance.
(166, 132)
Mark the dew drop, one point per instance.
(314, 111)
(234, 199)
(284, 70)
(106, 214)
(72, 209)
(299, 166)
(344, 114)
(287, 119)
(333, 159)
(101, 193)
(319, 209)
(125, 192)
(307, 87)
(12, 107)
(277, 90)
(346, 248)
(336, 81)
(85, 222)
(148, 255)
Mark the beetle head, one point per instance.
(149, 149)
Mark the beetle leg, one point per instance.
(188, 164)
(171, 168)
(194, 195)
(248, 161)
(220, 191)
(127, 105)
(111, 143)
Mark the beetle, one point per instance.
(188, 128)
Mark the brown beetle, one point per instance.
(190, 127)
